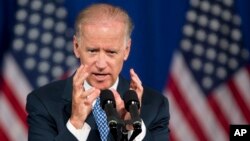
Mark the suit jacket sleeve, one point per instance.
(158, 129)
(42, 126)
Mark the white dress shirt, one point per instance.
(82, 134)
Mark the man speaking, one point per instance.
(69, 110)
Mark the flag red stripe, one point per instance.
(3, 135)
(184, 107)
(13, 101)
(218, 113)
(237, 96)
(172, 136)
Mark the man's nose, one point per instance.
(101, 61)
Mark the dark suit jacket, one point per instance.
(49, 109)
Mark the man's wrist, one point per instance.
(76, 123)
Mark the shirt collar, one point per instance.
(87, 86)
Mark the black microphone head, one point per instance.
(106, 96)
(130, 97)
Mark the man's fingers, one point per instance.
(91, 94)
(116, 95)
(81, 74)
(136, 84)
(135, 81)
(134, 76)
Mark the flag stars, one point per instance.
(222, 58)
(234, 49)
(21, 15)
(214, 25)
(186, 44)
(33, 34)
(223, 43)
(198, 49)
(195, 3)
(48, 23)
(235, 34)
(216, 9)
(43, 67)
(200, 35)
(205, 6)
(45, 53)
(34, 19)
(212, 39)
(202, 20)
(42, 80)
(196, 64)
(46, 38)
(232, 63)
(228, 2)
(49, 8)
(59, 42)
(212, 42)
(31, 48)
(208, 68)
(188, 30)
(221, 72)
(207, 82)
(211, 54)
(60, 27)
(29, 63)
(71, 61)
(224, 29)
(22, 2)
(226, 15)
(57, 71)
(18, 44)
(191, 16)
(58, 57)
(36, 5)
(61, 13)
(19, 29)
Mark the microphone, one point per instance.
(132, 105)
(107, 102)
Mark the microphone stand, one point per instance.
(137, 131)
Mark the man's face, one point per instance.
(103, 47)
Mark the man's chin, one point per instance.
(101, 85)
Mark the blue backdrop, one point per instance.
(158, 29)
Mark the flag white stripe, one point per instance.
(229, 106)
(198, 103)
(16, 79)
(11, 123)
(178, 124)
(242, 82)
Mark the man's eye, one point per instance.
(92, 51)
(112, 52)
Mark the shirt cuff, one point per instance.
(141, 136)
(81, 134)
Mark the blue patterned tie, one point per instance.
(101, 120)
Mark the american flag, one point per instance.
(209, 81)
(41, 51)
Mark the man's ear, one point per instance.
(127, 50)
(76, 46)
